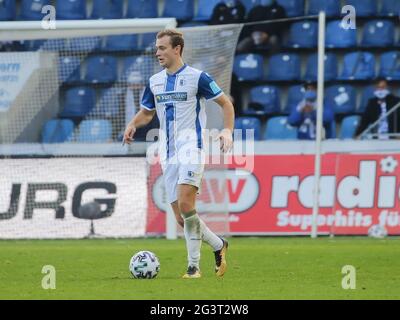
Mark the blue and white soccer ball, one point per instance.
(377, 231)
(144, 265)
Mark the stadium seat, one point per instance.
(349, 127)
(248, 123)
(107, 9)
(45, 45)
(330, 70)
(147, 41)
(57, 131)
(179, 9)
(332, 8)
(205, 9)
(94, 131)
(101, 69)
(264, 100)
(125, 42)
(303, 34)
(339, 37)
(79, 101)
(367, 93)
(191, 24)
(341, 98)
(278, 129)
(364, 8)
(390, 65)
(249, 67)
(32, 9)
(294, 97)
(85, 44)
(142, 9)
(69, 69)
(71, 9)
(284, 67)
(8, 10)
(109, 103)
(358, 66)
(293, 8)
(390, 8)
(378, 33)
(138, 69)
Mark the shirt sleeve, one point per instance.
(208, 88)
(148, 99)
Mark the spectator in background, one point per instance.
(263, 36)
(304, 116)
(230, 11)
(382, 103)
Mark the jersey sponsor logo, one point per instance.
(171, 97)
(214, 87)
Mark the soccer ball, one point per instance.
(144, 265)
(377, 231)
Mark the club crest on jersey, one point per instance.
(171, 97)
(181, 82)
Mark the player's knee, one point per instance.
(185, 207)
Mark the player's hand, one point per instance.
(128, 134)
(226, 140)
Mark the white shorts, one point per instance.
(177, 172)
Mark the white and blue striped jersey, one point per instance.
(179, 100)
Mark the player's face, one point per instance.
(166, 54)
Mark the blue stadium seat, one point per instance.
(8, 10)
(109, 103)
(332, 8)
(107, 9)
(390, 8)
(349, 127)
(264, 100)
(71, 9)
(142, 9)
(390, 65)
(94, 131)
(358, 66)
(69, 69)
(147, 41)
(85, 44)
(205, 9)
(303, 34)
(364, 8)
(191, 24)
(248, 123)
(284, 67)
(378, 33)
(330, 70)
(293, 8)
(249, 67)
(367, 93)
(45, 45)
(57, 131)
(138, 69)
(79, 101)
(101, 69)
(294, 97)
(125, 42)
(32, 9)
(278, 129)
(339, 37)
(341, 98)
(179, 9)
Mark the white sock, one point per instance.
(210, 237)
(192, 231)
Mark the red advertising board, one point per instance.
(276, 195)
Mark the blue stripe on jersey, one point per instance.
(198, 126)
(169, 108)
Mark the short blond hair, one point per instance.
(176, 38)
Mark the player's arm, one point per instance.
(143, 117)
(229, 119)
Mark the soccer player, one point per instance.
(177, 94)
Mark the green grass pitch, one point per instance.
(258, 268)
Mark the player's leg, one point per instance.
(177, 213)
